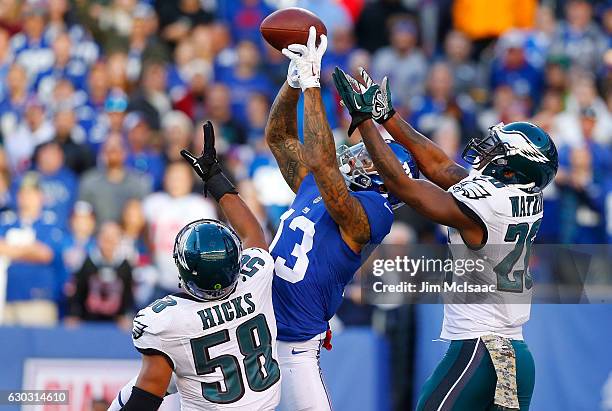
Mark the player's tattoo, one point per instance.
(456, 173)
(432, 161)
(320, 157)
(294, 169)
(282, 137)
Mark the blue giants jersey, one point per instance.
(312, 262)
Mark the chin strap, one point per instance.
(529, 186)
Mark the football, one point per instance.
(290, 26)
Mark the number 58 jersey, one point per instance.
(223, 352)
(511, 218)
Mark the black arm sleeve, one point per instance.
(81, 289)
(127, 300)
(141, 400)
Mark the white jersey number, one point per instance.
(300, 250)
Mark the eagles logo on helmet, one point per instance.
(518, 153)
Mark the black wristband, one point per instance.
(142, 400)
(356, 120)
(219, 185)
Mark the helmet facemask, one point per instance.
(479, 153)
(360, 173)
(356, 166)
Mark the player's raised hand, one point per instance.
(293, 79)
(382, 107)
(208, 168)
(307, 59)
(206, 165)
(358, 98)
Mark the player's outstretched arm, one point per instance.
(151, 384)
(243, 221)
(319, 149)
(216, 184)
(432, 161)
(282, 135)
(426, 198)
(345, 209)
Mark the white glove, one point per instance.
(292, 75)
(307, 59)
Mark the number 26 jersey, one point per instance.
(511, 218)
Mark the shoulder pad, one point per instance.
(153, 320)
(138, 326)
(256, 260)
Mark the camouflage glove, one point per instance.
(382, 109)
(357, 98)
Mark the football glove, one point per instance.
(293, 79)
(356, 97)
(307, 59)
(208, 168)
(382, 109)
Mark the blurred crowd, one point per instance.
(97, 97)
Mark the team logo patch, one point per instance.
(471, 189)
(379, 104)
(518, 144)
(180, 252)
(138, 328)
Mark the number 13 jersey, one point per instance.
(312, 262)
(223, 352)
(511, 218)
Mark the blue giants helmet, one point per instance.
(360, 173)
(207, 254)
(518, 153)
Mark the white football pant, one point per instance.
(302, 388)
